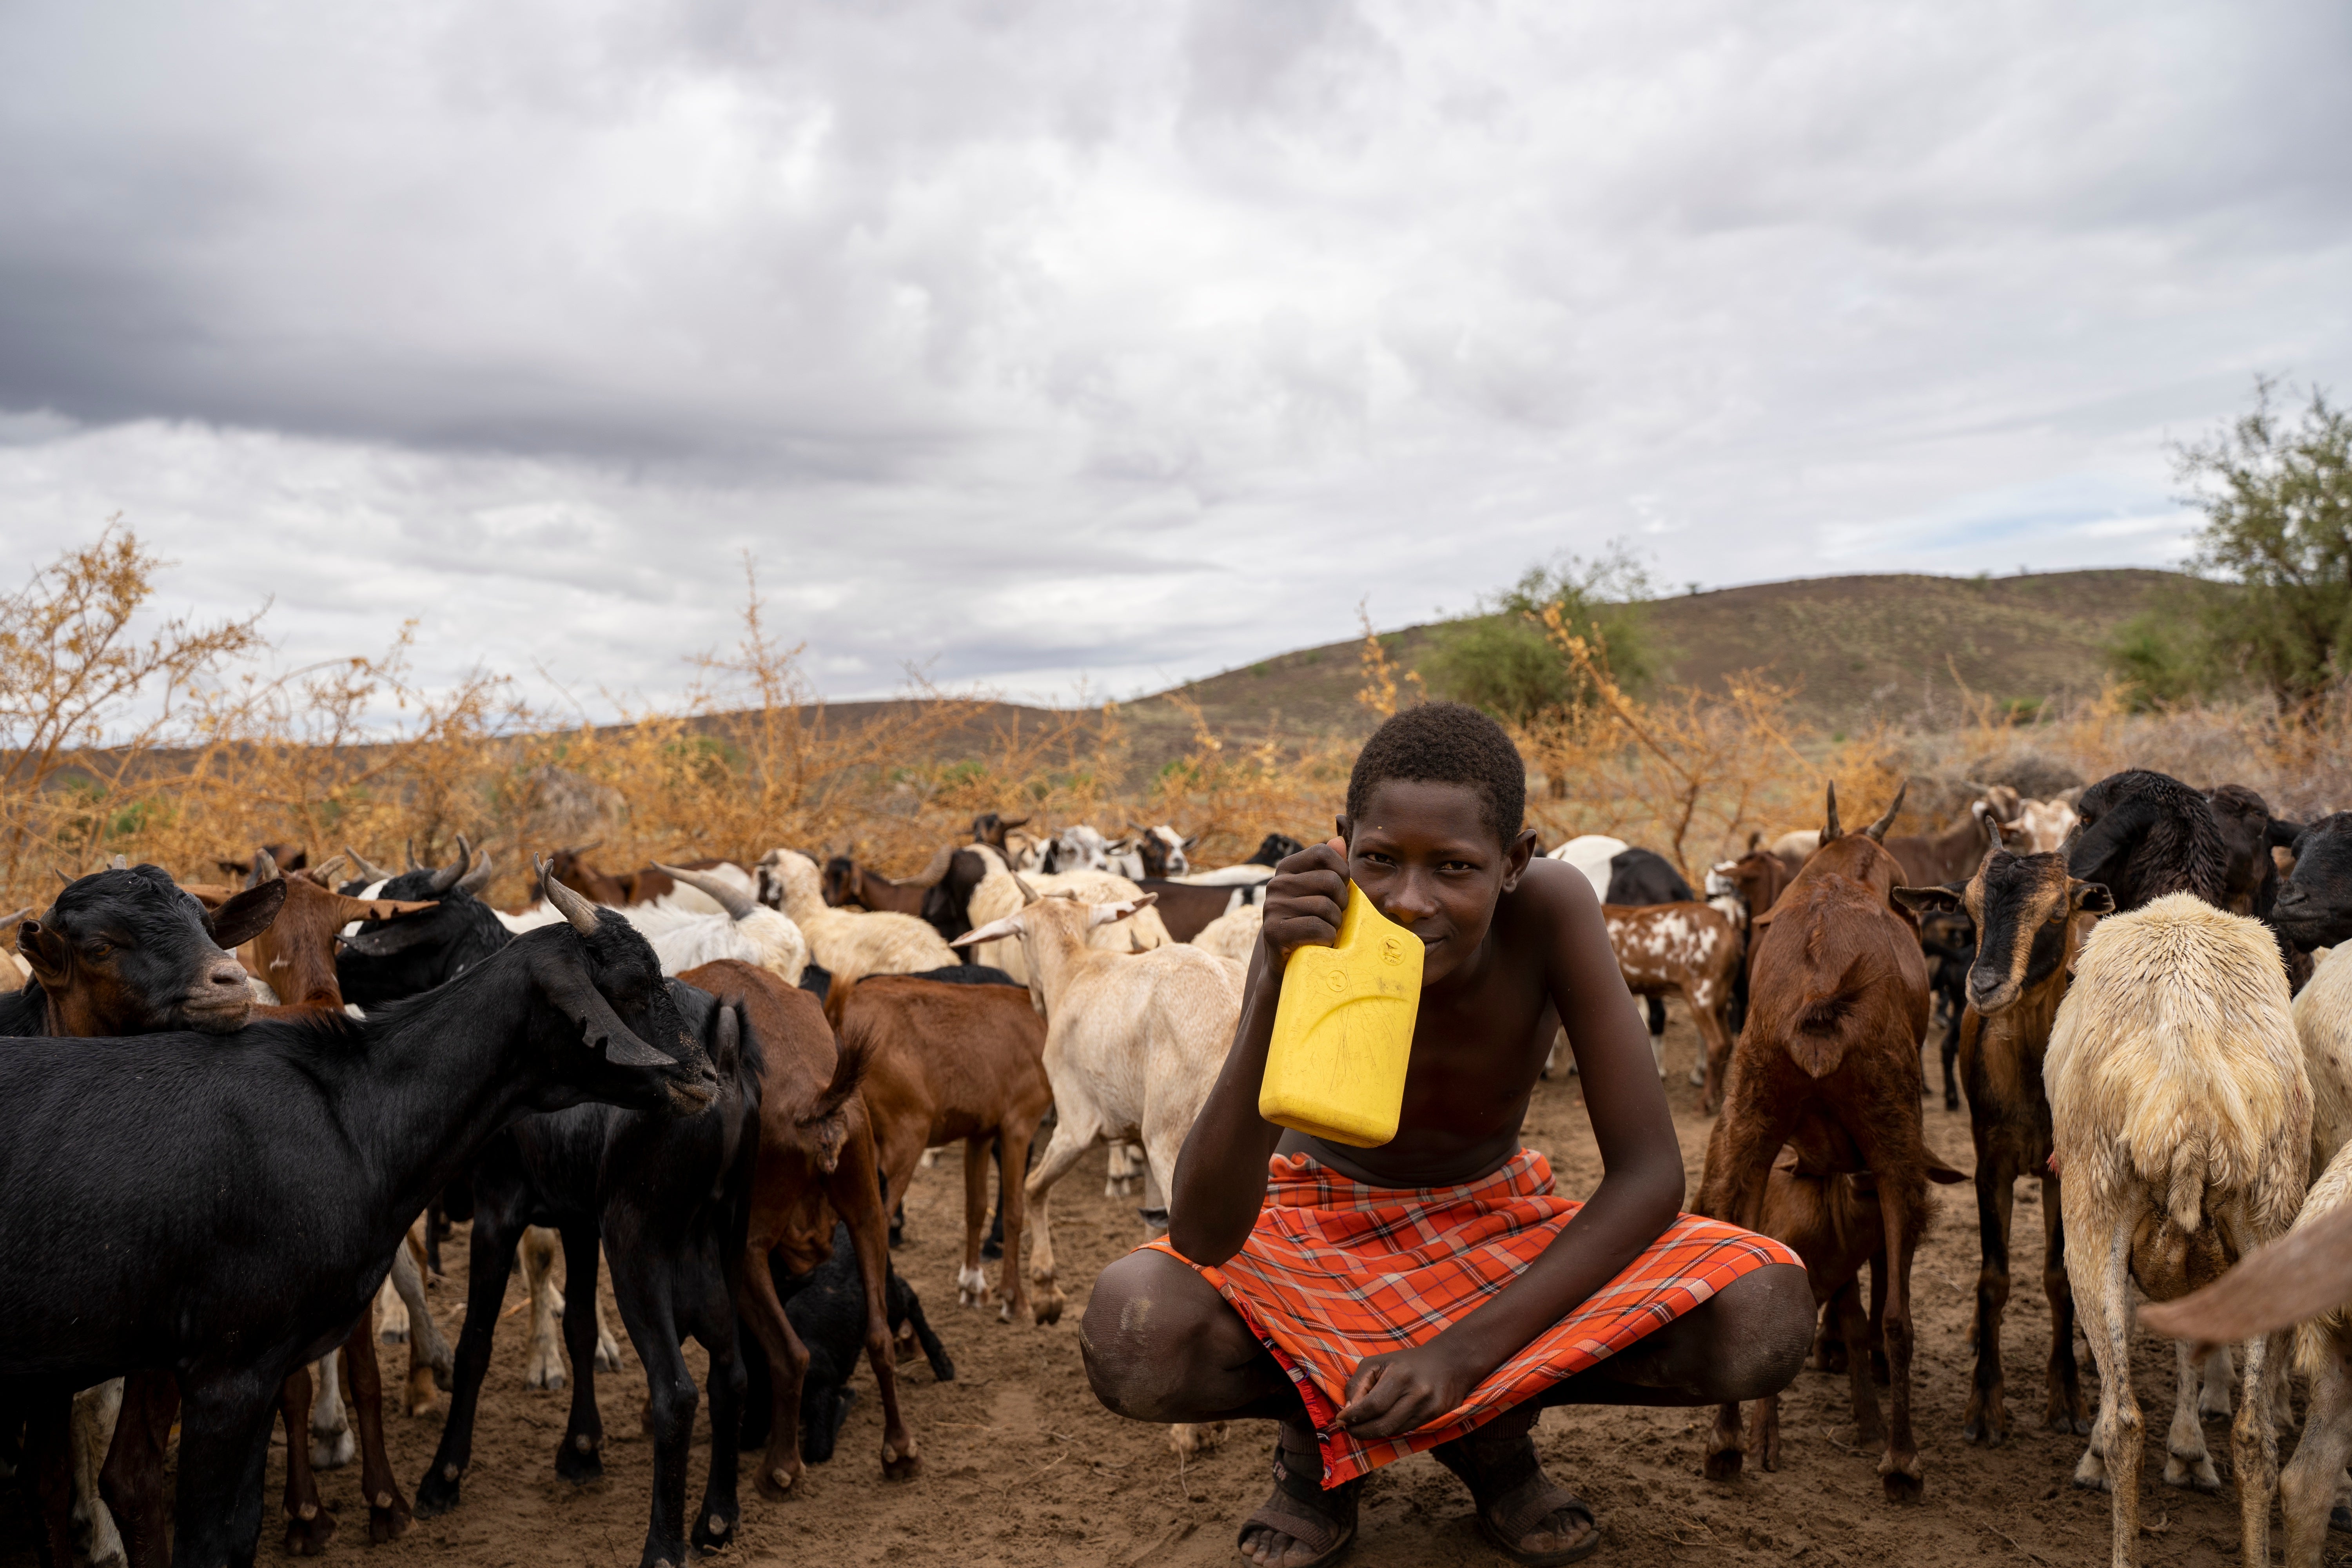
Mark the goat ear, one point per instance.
(1188, 844)
(1928, 900)
(1944, 1173)
(994, 930)
(1104, 914)
(564, 981)
(45, 951)
(2093, 898)
(247, 915)
(1028, 894)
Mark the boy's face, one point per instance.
(1427, 860)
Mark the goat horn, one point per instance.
(1829, 828)
(478, 878)
(365, 866)
(324, 872)
(725, 894)
(413, 863)
(265, 868)
(1876, 831)
(120, 863)
(1028, 894)
(447, 877)
(575, 908)
(63, 876)
(930, 874)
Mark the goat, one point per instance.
(990, 829)
(951, 1062)
(2142, 835)
(1830, 1061)
(826, 1309)
(1692, 951)
(2044, 824)
(1233, 935)
(847, 882)
(668, 1196)
(2180, 1117)
(1186, 909)
(737, 926)
(122, 952)
(1002, 892)
(1592, 853)
(2031, 917)
(1155, 853)
(1132, 1045)
(2314, 908)
(194, 1266)
(815, 1162)
(1948, 939)
(850, 944)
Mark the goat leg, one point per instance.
(131, 1481)
(758, 1308)
(48, 1436)
(1723, 1449)
(309, 1523)
(1853, 1324)
(1986, 1419)
(579, 1457)
(855, 1196)
(388, 1513)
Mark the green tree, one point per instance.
(2277, 499)
(1499, 659)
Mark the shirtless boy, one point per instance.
(1433, 1292)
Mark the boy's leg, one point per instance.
(1161, 1344)
(1746, 1341)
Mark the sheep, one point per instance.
(848, 944)
(2181, 1119)
(1132, 1044)
(999, 894)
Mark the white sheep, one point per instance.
(999, 893)
(2180, 1115)
(1133, 1043)
(850, 944)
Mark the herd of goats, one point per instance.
(720, 1080)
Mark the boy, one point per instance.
(1433, 1292)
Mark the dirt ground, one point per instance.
(1023, 1467)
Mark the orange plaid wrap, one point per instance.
(1336, 1271)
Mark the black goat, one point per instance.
(2249, 832)
(127, 953)
(1273, 848)
(2143, 835)
(947, 903)
(2315, 906)
(1948, 937)
(668, 1198)
(827, 1309)
(227, 1208)
(385, 960)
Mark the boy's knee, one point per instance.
(1765, 1331)
(1139, 1337)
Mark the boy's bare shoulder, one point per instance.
(1556, 896)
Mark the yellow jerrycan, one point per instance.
(1343, 1031)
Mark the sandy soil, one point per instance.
(1024, 1468)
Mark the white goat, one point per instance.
(733, 925)
(1081, 848)
(999, 893)
(2180, 1111)
(850, 944)
(1591, 853)
(1233, 934)
(1133, 1043)
(2044, 823)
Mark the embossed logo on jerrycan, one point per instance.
(1343, 1031)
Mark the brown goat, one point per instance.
(1692, 950)
(950, 1062)
(1951, 854)
(847, 882)
(2031, 917)
(816, 1160)
(1830, 1061)
(1833, 1220)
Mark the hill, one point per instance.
(1856, 649)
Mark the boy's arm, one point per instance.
(1220, 1180)
(1639, 1194)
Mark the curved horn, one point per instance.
(1876, 831)
(413, 863)
(1829, 824)
(930, 875)
(575, 908)
(62, 875)
(725, 894)
(447, 877)
(121, 862)
(475, 879)
(1029, 895)
(265, 868)
(324, 872)
(366, 868)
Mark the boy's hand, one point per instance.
(1305, 900)
(1405, 1389)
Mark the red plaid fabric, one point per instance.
(1335, 1271)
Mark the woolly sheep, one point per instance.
(2181, 1114)
(851, 943)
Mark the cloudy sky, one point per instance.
(1124, 340)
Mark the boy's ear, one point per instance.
(1345, 828)
(1516, 858)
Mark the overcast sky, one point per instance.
(1128, 341)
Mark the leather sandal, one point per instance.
(1322, 1521)
(1515, 1497)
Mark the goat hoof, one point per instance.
(2200, 1476)
(1902, 1487)
(1722, 1466)
(435, 1495)
(714, 1531)
(548, 1377)
(332, 1453)
(778, 1481)
(579, 1458)
(898, 1467)
(607, 1358)
(992, 1250)
(309, 1537)
(1048, 1308)
(389, 1523)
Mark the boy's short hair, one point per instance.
(1445, 742)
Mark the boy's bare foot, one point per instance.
(1301, 1525)
(1524, 1514)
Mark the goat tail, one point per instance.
(2184, 1197)
(836, 1000)
(848, 1076)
